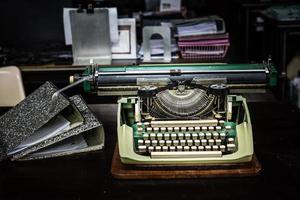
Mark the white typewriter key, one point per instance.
(230, 140)
(218, 128)
(191, 129)
(215, 135)
(172, 148)
(211, 142)
(161, 142)
(215, 148)
(165, 148)
(222, 148)
(208, 135)
(222, 135)
(150, 149)
(154, 143)
(201, 135)
(157, 148)
(189, 142)
(227, 127)
(186, 148)
(218, 141)
(211, 128)
(168, 142)
(230, 147)
(140, 129)
(148, 129)
(204, 128)
(221, 122)
(179, 148)
(175, 142)
(203, 142)
(142, 148)
(201, 148)
(156, 129)
(197, 142)
(140, 142)
(170, 129)
(163, 129)
(146, 123)
(197, 128)
(176, 129)
(139, 124)
(187, 136)
(159, 136)
(146, 136)
(182, 142)
(180, 136)
(207, 148)
(173, 136)
(147, 143)
(152, 136)
(183, 129)
(195, 136)
(193, 148)
(166, 136)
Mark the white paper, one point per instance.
(170, 5)
(54, 127)
(71, 144)
(202, 28)
(113, 23)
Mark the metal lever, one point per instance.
(55, 95)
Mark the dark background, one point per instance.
(31, 33)
(35, 26)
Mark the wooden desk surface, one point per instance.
(276, 143)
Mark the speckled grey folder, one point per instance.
(90, 122)
(28, 116)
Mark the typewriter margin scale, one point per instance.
(205, 136)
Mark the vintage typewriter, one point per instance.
(182, 113)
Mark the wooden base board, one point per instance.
(123, 171)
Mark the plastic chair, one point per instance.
(11, 86)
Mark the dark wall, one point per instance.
(31, 23)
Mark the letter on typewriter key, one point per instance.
(175, 142)
(147, 143)
(142, 148)
(159, 136)
(154, 143)
(173, 136)
(197, 142)
(140, 142)
(150, 149)
(161, 142)
(152, 136)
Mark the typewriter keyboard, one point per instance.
(185, 142)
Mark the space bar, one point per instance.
(186, 154)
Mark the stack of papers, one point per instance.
(197, 28)
(54, 127)
(201, 39)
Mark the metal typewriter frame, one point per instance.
(243, 154)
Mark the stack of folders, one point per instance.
(203, 38)
(40, 127)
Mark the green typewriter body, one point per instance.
(181, 114)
